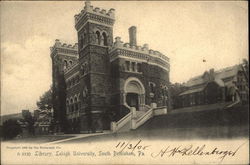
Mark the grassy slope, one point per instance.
(212, 124)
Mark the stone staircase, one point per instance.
(136, 118)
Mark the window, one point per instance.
(75, 105)
(98, 37)
(65, 64)
(152, 87)
(139, 67)
(84, 39)
(105, 40)
(67, 106)
(133, 66)
(81, 42)
(72, 108)
(82, 70)
(127, 65)
(70, 63)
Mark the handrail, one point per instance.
(138, 120)
(160, 107)
(125, 117)
(144, 107)
(126, 106)
(232, 104)
(124, 120)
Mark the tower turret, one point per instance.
(95, 36)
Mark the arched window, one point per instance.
(76, 104)
(72, 107)
(67, 106)
(81, 42)
(70, 62)
(65, 64)
(105, 39)
(152, 87)
(98, 37)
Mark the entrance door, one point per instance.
(132, 100)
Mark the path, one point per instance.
(77, 136)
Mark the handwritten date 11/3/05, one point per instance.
(135, 146)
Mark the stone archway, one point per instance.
(134, 93)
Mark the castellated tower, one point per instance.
(95, 35)
(63, 56)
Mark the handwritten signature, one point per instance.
(198, 150)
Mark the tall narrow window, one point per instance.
(98, 37)
(127, 65)
(105, 40)
(84, 39)
(82, 69)
(65, 64)
(152, 87)
(81, 42)
(67, 106)
(70, 63)
(76, 104)
(139, 67)
(72, 107)
(133, 66)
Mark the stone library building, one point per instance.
(97, 80)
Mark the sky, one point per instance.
(187, 32)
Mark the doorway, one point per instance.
(133, 100)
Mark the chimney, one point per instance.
(212, 74)
(132, 36)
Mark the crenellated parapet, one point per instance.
(142, 53)
(97, 15)
(64, 49)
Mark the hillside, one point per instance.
(211, 124)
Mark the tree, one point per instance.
(45, 104)
(30, 120)
(45, 101)
(11, 129)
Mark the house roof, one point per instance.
(192, 91)
(219, 74)
(219, 82)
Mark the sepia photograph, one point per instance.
(124, 82)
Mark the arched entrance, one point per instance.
(134, 92)
(132, 100)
